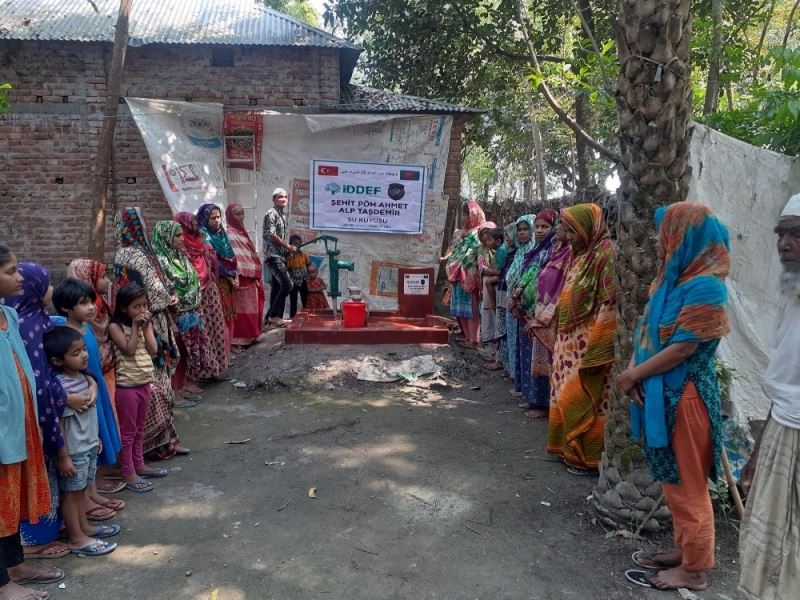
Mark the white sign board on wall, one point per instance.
(367, 197)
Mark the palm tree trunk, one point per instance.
(654, 107)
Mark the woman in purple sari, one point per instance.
(542, 327)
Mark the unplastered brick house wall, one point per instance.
(48, 143)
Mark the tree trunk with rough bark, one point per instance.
(654, 108)
(97, 232)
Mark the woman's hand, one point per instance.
(529, 327)
(628, 380)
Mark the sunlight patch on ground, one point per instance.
(246, 410)
(183, 510)
(358, 455)
(147, 556)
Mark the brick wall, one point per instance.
(48, 144)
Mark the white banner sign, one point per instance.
(370, 197)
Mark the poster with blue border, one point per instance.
(367, 197)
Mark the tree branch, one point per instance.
(789, 23)
(548, 96)
(588, 31)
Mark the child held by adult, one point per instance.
(74, 301)
(66, 350)
(135, 343)
(24, 490)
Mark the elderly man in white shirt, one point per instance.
(769, 543)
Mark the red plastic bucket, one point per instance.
(353, 313)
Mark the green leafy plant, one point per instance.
(771, 118)
(5, 103)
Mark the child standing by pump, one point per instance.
(135, 345)
(297, 262)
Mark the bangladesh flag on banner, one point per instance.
(406, 175)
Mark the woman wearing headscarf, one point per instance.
(584, 348)
(672, 379)
(542, 326)
(523, 300)
(525, 242)
(168, 242)
(250, 296)
(209, 218)
(40, 539)
(462, 272)
(501, 320)
(204, 260)
(135, 262)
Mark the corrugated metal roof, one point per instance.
(232, 22)
(358, 98)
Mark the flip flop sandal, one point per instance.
(57, 576)
(580, 472)
(34, 595)
(154, 473)
(637, 557)
(96, 548)
(106, 531)
(111, 488)
(42, 553)
(185, 403)
(645, 579)
(493, 366)
(115, 504)
(140, 487)
(100, 513)
(181, 451)
(641, 578)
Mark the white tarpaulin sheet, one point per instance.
(292, 141)
(184, 143)
(747, 187)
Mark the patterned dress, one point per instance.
(24, 487)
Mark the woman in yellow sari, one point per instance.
(584, 347)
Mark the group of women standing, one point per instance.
(553, 332)
(554, 320)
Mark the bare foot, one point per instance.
(536, 413)
(12, 590)
(678, 577)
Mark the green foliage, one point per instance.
(301, 10)
(471, 52)
(771, 116)
(5, 103)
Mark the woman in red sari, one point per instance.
(250, 296)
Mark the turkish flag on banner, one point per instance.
(327, 170)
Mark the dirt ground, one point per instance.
(439, 491)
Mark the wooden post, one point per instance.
(97, 220)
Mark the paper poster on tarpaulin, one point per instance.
(184, 144)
